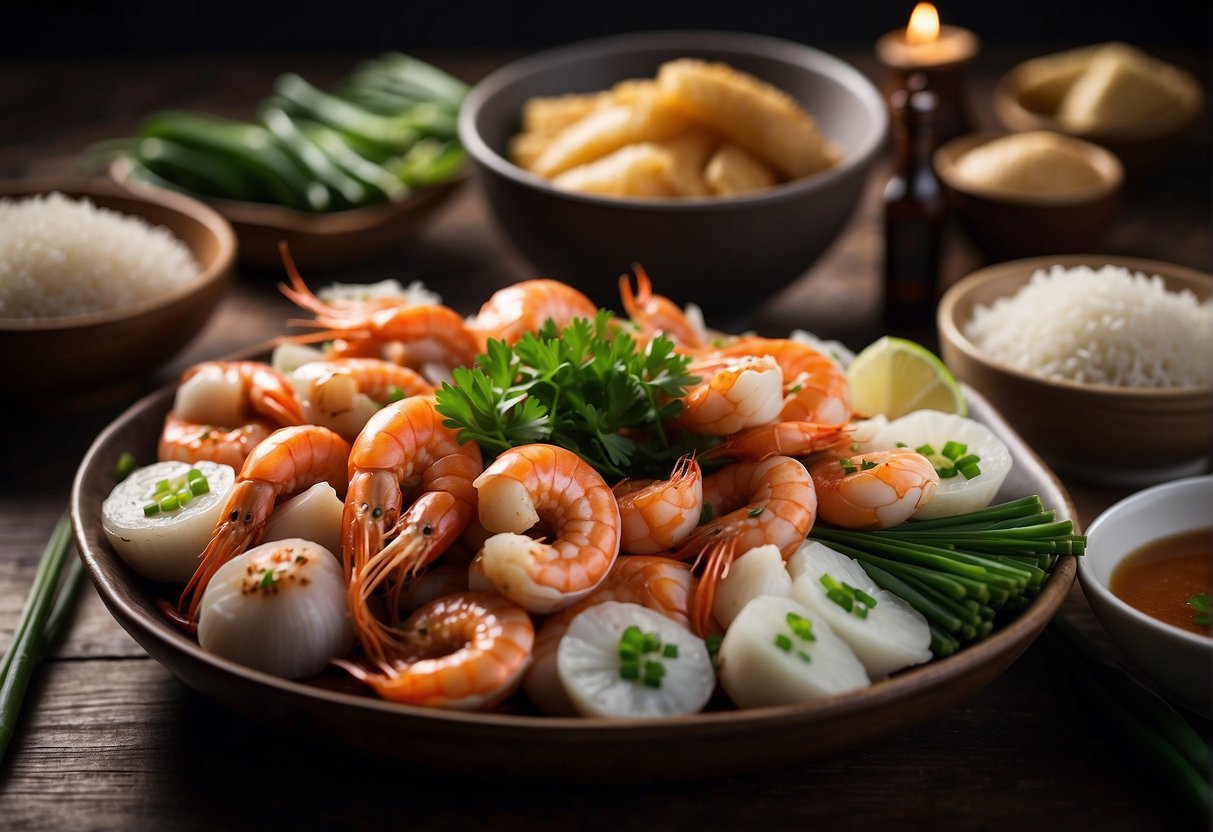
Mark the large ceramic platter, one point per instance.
(524, 746)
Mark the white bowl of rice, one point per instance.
(1105, 365)
(100, 286)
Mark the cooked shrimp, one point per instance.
(780, 439)
(815, 386)
(754, 504)
(873, 490)
(655, 516)
(525, 307)
(465, 651)
(432, 337)
(653, 314)
(186, 441)
(404, 449)
(557, 491)
(734, 394)
(288, 462)
(659, 583)
(222, 409)
(343, 394)
(233, 393)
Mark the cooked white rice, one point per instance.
(1109, 326)
(61, 256)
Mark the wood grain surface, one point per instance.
(110, 740)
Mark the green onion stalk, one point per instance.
(961, 572)
(45, 610)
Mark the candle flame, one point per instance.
(924, 25)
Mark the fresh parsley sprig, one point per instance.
(588, 387)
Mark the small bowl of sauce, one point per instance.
(1149, 558)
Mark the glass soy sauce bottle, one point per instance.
(913, 212)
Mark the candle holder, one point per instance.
(940, 55)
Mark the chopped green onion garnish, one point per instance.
(1200, 603)
(194, 474)
(267, 578)
(125, 464)
(169, 502)
(847, 466)
(953, 450)
(199, 487)
(946, 473)
(670, 651)
(801, 626)
(629, 671)
(713, 644)
(841, 598)
(970, 471)
(184, 496)
(967, 460)
(795, 388)
(804, 657)
(653, 671)
(783, 643)
(925, 450)
(867, 600)
(151, 509)
(866, 465)
(162, 487)
(651, 643)
(754, 512)
(901, 445)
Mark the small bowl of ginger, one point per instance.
(1148, 574)
(1029, 194)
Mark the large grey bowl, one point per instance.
(723, 253)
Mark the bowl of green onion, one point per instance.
(338, 174)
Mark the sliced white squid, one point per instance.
(279, 608)
(760, 571)
(779, 652)
(313, 515)
(625, 660)
(931, 430)
(885, 632)
(162, 539)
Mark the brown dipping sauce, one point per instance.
(1161, 576)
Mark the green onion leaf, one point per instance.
(925, 450)
(783, 643)
(125, 465)
(953, 450)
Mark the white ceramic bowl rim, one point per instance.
(225, 240)
(956, 331)
(803, 57)
(1094, 585)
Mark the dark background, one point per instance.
(63, 27)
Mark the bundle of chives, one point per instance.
(1168, 743)
(45, 610)
(961, 571)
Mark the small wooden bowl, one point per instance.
(1100, 433)
(318, 242)
(1021, 105)
(73, 356)
(1007, 224)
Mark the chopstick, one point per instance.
(47, 607)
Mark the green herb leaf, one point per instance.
(1200, 603)
(586, 387)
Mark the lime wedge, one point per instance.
(894, 376)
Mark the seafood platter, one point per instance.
(586, 530)
(627, 543)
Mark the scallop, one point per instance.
(313, 515)
(289, 356)
(779, 652)
(886, 635)
(671, 673)
(279, 608)
(760, 571)
(165, 546)
(956, 494)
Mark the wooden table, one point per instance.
(110, 740)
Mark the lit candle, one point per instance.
(925, 44)
(927, 52)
